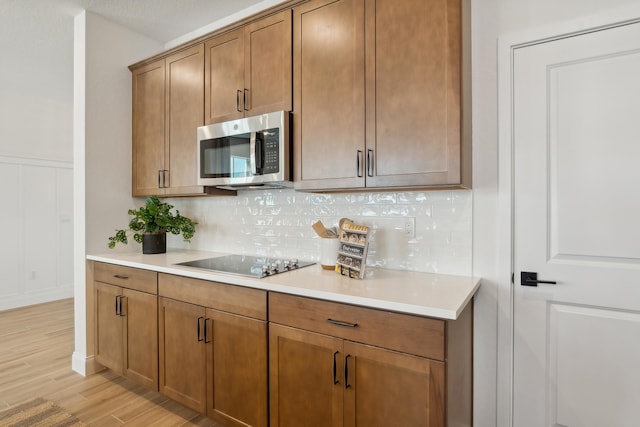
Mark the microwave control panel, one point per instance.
(271, 151)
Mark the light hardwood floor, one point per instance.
(36, 344)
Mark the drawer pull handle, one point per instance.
(335, 376)
(118, 276)
(341, 323)
(346, 372)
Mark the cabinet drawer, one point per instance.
(421, 336)
(230, 298)
(127, 277)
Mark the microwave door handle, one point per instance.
(259, 153)
(252, 151)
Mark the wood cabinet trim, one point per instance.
(148, 128)
(220, 296)
(237, 369)
(416, 335)
(268, 75)
(329, 94)
(181, 355)
(222, 83)
(330, 409)
(140, 337)
(108, 327)
(126, 277)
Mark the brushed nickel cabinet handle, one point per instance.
(359, 162)
(238, 93)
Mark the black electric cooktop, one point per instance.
(247, 265)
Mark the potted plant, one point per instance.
(150, 224)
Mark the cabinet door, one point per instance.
(140, 316)
(148, 128)
(182, 353)
(329, 116)
(306, 382)
(224, 77)
(413, 92)
(108, 339)
(384, 388)
(236, 369)
(185, 112)
(268, 64)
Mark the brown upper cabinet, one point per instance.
(168, 106)
(376, 89)
(329, 91)
(378, 94)
(248, 70)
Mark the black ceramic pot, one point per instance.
(154, 243)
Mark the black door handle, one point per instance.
(346, 372)
(530, 278)
(199, 327)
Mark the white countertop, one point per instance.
(426, 294)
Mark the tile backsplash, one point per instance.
(277, 223)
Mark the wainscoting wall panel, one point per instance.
(37, 231)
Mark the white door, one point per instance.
(577, 222)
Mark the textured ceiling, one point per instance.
(162, 20)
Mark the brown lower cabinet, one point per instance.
(314, 362)
(126, 330)
(329, 366)
(211, 360)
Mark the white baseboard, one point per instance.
(8, 302)
(85, 365)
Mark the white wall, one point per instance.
(102, 150)
(35, 156)
(493, 19)
(36, 81)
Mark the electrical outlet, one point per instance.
(410, 227)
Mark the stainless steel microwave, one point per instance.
(251, 152)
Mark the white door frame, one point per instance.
(506, 46)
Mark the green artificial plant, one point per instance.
(154, 217)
